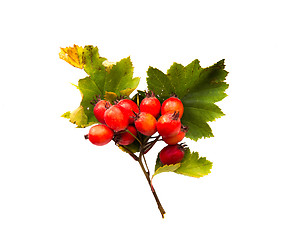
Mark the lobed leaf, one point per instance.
(159, 83)
(106, 80)
(198, 88)
(120, 77)
(194, 166)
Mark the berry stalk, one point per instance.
(149, 145)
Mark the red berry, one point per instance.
(116, 118)
(100, 135)
(171, 105)
(150, 104)
(100, 109)
(130, 107)
(145, 123)
(175, 139)
(125, 138)
(169, 125)
(171, 154)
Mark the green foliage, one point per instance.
(191, 165)
(194, 166)
(198, 88)
(104, 80)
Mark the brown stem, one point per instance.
(146, 165)
(160, 207)
(140, 160)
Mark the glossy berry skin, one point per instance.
(171, 105)
(175, 139)
(168, 125)
(100, 109)
(150, 105)
(126, 138)
(116, 118)
(171, 154)
(145, 123)
(100, 134)
(130, 107)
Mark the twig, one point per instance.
(149, 145)
(142, 159)
(160, 207)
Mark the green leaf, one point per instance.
(160, 168)
(194, 166)
(120, 78)
(92, 60)
(104, 80)
(79, 118)
(159, 83)
(198, 88)
(191, 165)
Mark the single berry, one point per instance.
(116, 118)
(100, 109)
(171, 105)
(177, 138)
(131, 108)
(150, 104)
(100, 135)
(172, 154)
(169, 124)
(126, 138)
(145, 123)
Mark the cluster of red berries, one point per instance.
(123, 121)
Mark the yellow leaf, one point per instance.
(127, 92)
(110, 96)
(72, 55)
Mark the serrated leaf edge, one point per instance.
(176, 166)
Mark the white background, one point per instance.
(55, 185)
